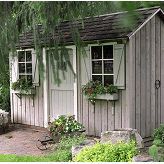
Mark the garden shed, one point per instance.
(131, 59)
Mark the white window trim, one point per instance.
(102, 44)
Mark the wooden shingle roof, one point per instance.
(109, 26)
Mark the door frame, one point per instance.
(46, 86)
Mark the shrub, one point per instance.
(159, 132)
(64, 152)
(64, 124)
(106, 152)
(5, 96)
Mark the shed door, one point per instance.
(61, 97)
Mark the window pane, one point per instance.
(108, 79)
(96, 67)
(108, 67)
(108, 52)
(96, 52)
(28, 56)
(20, 76)
(21, 57)
(21, 67)
(97, 77)
(29, 79)
(29, 67)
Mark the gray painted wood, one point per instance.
(148, 81)
(158, 72)
(138, 79)
(143, 82)
(152, 39)
(162, 72)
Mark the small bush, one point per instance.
(64, 153)
(106, 152)
(159, 132)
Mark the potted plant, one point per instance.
(64, 126)
(96, 90)
(22, 86)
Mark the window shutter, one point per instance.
(14, 66)
(35, 71)
(119, 65)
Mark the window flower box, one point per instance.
(29, 92)
(107, 96)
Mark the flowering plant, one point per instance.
(22, 85)
(64, 124)
(92, 88)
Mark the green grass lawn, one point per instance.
(16, 158)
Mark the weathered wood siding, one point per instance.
(26, 113)
(104, 115)
(146, 66)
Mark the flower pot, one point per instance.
(56, 138)
(30, 92)
(107, 96)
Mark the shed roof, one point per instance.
(103, 27)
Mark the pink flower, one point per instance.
(90, 91)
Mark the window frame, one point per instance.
(35, 71)
(25, 62)
(103, 74)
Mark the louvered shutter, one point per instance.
(119, 65)
(14, 68)
(35, 71)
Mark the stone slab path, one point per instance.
(23, 141)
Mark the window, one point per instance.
(102, 64)
(25, 65)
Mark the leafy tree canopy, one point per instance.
(17, 17)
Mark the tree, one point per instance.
(17, 17)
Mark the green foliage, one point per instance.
(107, 152)
(159, 132)
(158, 141)
(5, 89)
(153, 151)
(8, 137)
(92, 88)
(64, 152)
(22, 85)
(16, 158)
(64, 124)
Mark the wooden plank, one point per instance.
(127, 86)
(36, 105)
(130, 89)
(111, 117)
(85, 114)
(15, 108)
(32, 112)
(41, 109)
(65, 101)
(124, 125)
(98, 109)
(104, 116)
(91, 119)
(158, 70)
(19, 111)
(118, 112)
(148, 81)
(162, 72)
(152, 37)
(143, 82)
(138, 82)
(28, 116)
(23, 111)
